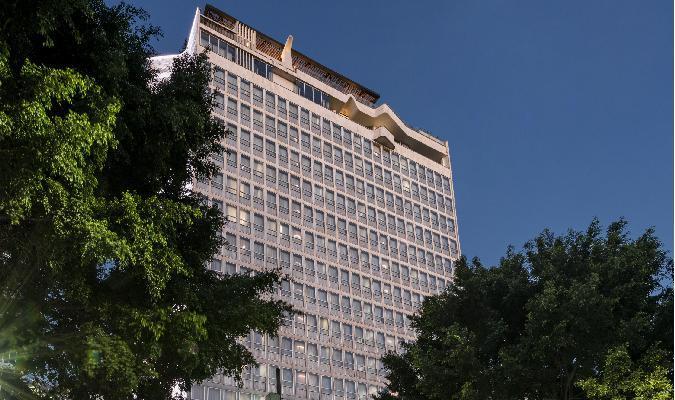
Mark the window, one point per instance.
(257, 143)
(337, 133)
(309, 241)
(258, 169)
(282, 129)
(293, 112)
(338, 156)
(245, 115)
(339, 178)
(412, 168)
(258, 222)
(307, 189)
(283, 154)
(316, 120)
(245, 90)
(293, 135)
(285, 232)
(328, 151)
(283, 179)
(304, 118)
(313, 94)
(326, 384)
(258, 250)
(326, 127)
(271, 255)
(306, 164)
(347, 138)
(232, 83)
(270, 101)
(245, 190)
(245, 139)
(232, 109)
(217, 181)
(386, 157)
(257, 120)
(281, 107)
(309, 214)
(271, 200)
(214, 394)
(270, 149)
(270, 126)
(367, 147)
(318, 193)
(316, 145)
(258, 195)
(257, 96)
(295, 184)
(337, 354)
(369, 168)
(219, 99)
(305, 140)
(216, 265)
(245, 218)
(232, 186)
(262, 68)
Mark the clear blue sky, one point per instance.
(555, 112)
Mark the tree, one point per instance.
(541, 321)
(622, 379)
(104, 291)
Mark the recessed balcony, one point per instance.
(382, 136)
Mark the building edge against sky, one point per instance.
(354, 205)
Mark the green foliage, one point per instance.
(542, 321)
(622, 379)
(103, 287)
(55, 119)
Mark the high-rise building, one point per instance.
(353, 204)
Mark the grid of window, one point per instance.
(363, 233)
(235, 54)
(428, 204)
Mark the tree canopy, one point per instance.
(549, 322)
(104, 290)
(621, 378)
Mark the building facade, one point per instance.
(355, 206)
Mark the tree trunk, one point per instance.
(568, 384)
